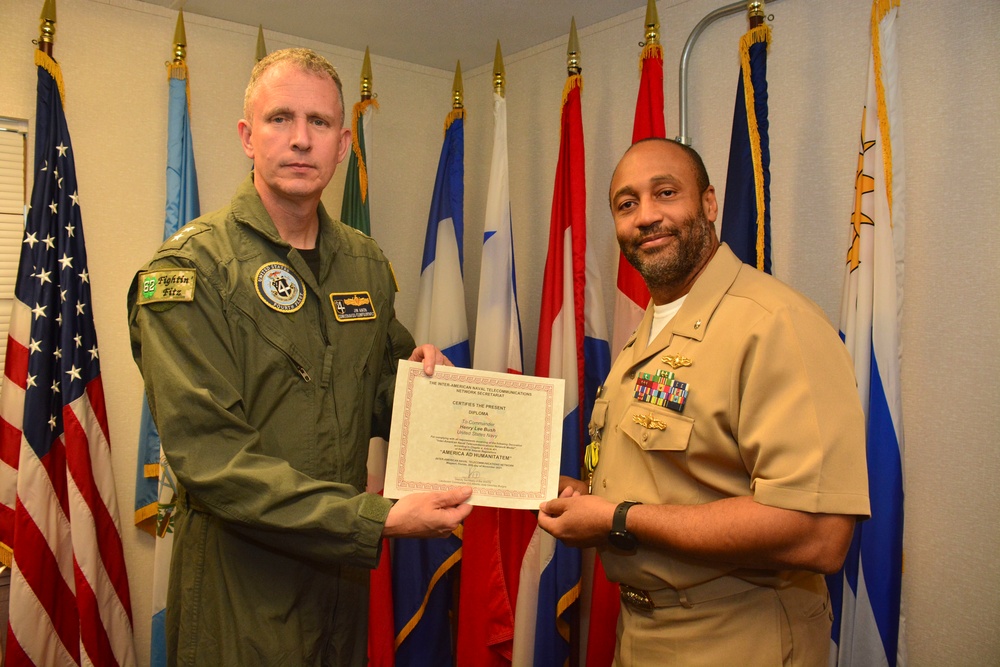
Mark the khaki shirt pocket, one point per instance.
(656, 429)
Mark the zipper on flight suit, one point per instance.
(299, 368)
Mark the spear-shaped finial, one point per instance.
(499, 75)
(180, 40)
(652, 24)
(573, 50)
(456, 89)
(366, 77)
(755, 12)
(261, 47)
(47, 28)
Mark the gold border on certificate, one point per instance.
(499, 433)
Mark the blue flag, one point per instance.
(155, 492)
(746, 212)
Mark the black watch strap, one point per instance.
(618, 521)
(619, 537)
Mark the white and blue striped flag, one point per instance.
(868, 629)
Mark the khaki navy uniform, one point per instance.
(266, 384)
(770, 410)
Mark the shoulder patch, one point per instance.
(166, 285)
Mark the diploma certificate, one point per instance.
(501, 434)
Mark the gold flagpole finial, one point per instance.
(180, 40)
(573, 50)
(456, 89)
(366, 77)
(652, 24)
(47, 36)
(755, 12)
(261, 47)
(499, 75)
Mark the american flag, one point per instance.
(69, 596)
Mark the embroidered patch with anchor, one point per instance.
(279, 288)
(352, 306)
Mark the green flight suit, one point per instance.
(265, 409)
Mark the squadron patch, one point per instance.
(352, 306)
(279, 288)
(166, 285)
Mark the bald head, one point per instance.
(689, 154)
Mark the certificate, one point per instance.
(499, 433)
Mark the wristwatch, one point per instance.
(619, 537)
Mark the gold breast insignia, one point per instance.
(675, 360)
(649, 421)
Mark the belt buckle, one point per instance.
(637, 598)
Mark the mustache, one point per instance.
(658, 229)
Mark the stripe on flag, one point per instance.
(868, 627)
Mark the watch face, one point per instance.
(622, 541)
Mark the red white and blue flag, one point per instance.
(69, 594)
(550, 572)
(868, 627)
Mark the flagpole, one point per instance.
(261, 47)
(47, 37)
(755, 15)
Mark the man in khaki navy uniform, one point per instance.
(729, 449)
(267, 339)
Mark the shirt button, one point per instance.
(645, 437)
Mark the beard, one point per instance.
(667, 268)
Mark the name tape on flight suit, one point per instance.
(352, 306)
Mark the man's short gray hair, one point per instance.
(305, 59)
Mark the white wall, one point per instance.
(112, 53)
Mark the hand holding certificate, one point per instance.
(500, 434)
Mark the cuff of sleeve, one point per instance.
(375, 508)
(815, 503)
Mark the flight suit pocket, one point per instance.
(655, 429)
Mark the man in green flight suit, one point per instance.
(267, 340)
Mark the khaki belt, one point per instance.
(686, 597)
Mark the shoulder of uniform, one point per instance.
(180, 238)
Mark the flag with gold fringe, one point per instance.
(746, 212)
